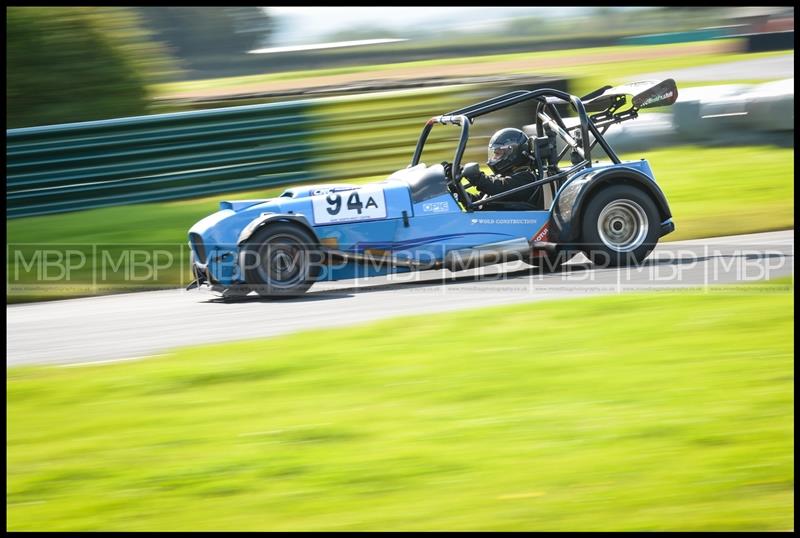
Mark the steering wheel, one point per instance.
(451, 181)
(459, 191)
(451, 178)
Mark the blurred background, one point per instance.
(114, 113)
(77, 64)
(653, 411)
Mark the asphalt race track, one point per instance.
(134, 325)
(767, 68)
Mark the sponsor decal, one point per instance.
(543, 233)
(656, 98)
(435, 207)
(503, 221)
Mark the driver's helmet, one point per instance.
(506, 150)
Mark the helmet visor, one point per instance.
(498, 153)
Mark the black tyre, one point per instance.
(280, 260)
(620, 226)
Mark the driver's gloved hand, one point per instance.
(472, 171)
(448, 169)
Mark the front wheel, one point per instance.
(620, 226)
(280, 260)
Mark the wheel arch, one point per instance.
(571, 200)
(270, 218)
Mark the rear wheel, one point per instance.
(280, 260)
(620, 226)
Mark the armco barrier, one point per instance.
(58, 168)
(704, 34)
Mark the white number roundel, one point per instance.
(367, 203)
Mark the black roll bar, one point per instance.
(598, 137)
(421, 142)
(470, 108)
(554, 177)
(545, 113)
(519, 96)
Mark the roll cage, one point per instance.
(549, 121)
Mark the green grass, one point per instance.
(663, 411)
(725, 190)
(711, 191)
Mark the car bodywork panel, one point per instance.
(420, 221)
(423, 216)
(573, 195)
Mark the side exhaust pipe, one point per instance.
(376, 259)
(458, 260)
(504, 251)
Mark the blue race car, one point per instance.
(424, 217)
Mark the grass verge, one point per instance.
(661, 411)
(717, 191)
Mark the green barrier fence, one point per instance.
(59, 168)
(703, 34)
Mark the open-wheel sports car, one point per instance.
(425, 217)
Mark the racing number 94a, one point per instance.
(349, 206)
(353, 203)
